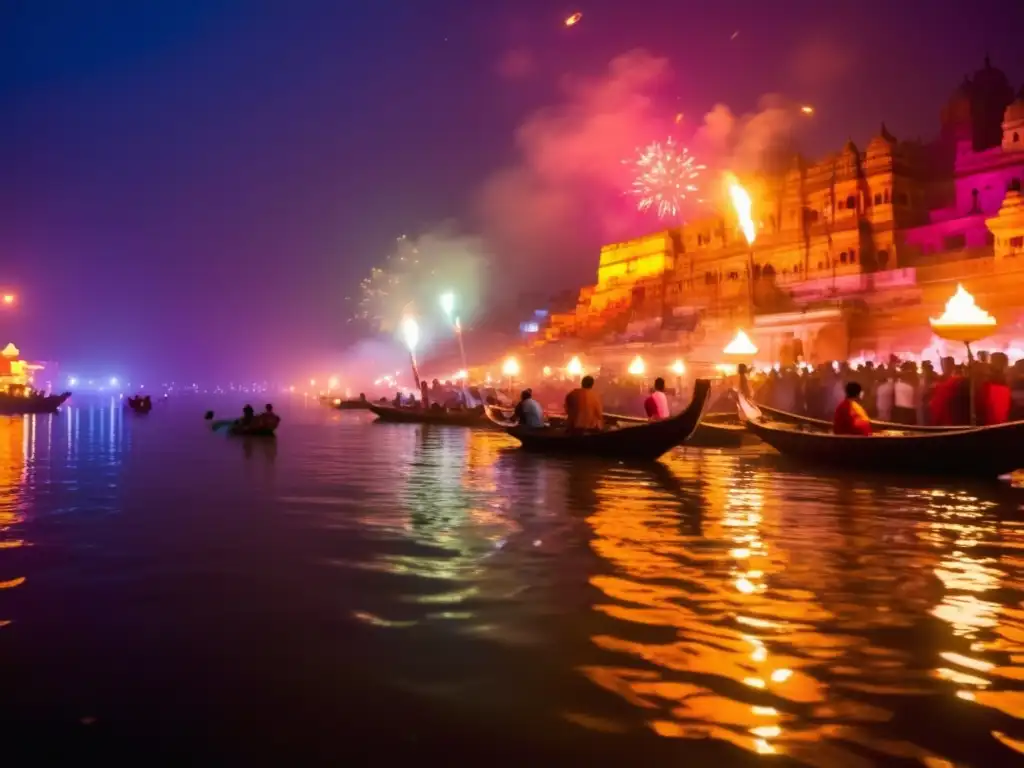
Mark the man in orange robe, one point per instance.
(583, 408)
(850, 417)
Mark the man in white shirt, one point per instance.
(905, 398)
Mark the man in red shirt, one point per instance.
(994, 400)
(850, 417)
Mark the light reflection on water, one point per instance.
(834, 620)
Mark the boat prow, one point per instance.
(644, 441)
(974, 451)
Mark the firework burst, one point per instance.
(666, 175)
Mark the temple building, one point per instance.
(852, 253)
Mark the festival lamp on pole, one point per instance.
(510, 368)
(637, 368)
(679, 369)
(411, 336)
(574, 368)
(964, 321)
(448, 307)
(740, 349)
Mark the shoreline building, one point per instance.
(852, 253)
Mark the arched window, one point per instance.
(851, 203)
(883, 259)
(853, 257)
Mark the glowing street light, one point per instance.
(510, 368)
(332, 383)
(546, 370)
(448, 305)
(637, 367)
(807, 109)
(9, 299)
(679, 368)
(575, 367)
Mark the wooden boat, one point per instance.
(643, 441)
(470, 417)
(21, 402)
(235, 428)
(978, 451)
(785, 417)
(715, 430)
(139, 404)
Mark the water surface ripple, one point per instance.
(437, 583)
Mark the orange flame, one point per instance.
(962, 310)
(743, 206)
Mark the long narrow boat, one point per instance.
(473, 417)
(31, 402)
(715, 430)
(978, 451)
(785, 417)
(644, 441)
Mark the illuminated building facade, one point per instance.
(852, 252)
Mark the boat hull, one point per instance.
(979, 452)
(11, 405)
(785, 417)
(641, 442)
(388, 413)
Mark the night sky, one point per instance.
(193, 188)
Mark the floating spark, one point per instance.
(807, 109)
(665, 175)
(573, 20)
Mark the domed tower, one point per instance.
(1013, 125)
(991, 95)
(956, 115)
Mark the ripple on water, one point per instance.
(832, 619)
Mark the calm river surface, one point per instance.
(357, 592)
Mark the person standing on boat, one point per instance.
(528, 411)
(656, 405)
(904, 408)
(583, 408)
(850, 417)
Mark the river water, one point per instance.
(354, 592)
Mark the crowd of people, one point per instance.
(902, 392)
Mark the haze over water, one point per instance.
(356, 591)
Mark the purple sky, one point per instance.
(196, 186)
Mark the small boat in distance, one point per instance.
(140, 403)
(644, 441)
(234, 427)
(978, 451)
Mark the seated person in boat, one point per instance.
(248, 415)
(656, 405)
(583, 409)
(528, 411)
(850, 417)
(268, 419)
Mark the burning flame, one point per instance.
(573, 20)
(510, 367)
(807, 109)
(678, 368)
(637, 367)
(743, 206)
(546, 370)
(575, 367)
(740, 345)
(961, 310)
(410, 332)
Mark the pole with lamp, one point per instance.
(411, 336)
(740, 350)
(964, 321)
(637, 368)
(679, 369)
(448, 307)
(744, 207)
(510, 368)
(574, 368)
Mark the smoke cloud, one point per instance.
(566, 189)
(746, 143)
